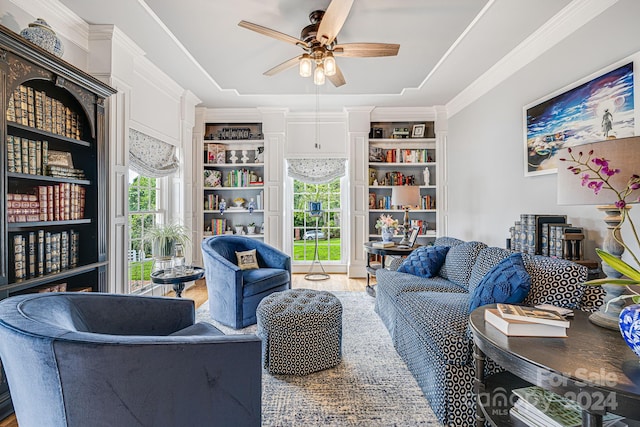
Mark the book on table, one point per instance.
(383, 244)
(519, 328)
(539, 407)
(532, 314)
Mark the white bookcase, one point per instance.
(398, 157)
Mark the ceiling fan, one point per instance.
(320, 45)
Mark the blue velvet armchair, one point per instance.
(234, 294)
(90, 359)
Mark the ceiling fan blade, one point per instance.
(272, 33)
(284, 66)
(363, 50)
(333, 20)
(337, 79)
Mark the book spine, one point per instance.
(11, 109)
(32, 254)
(25, 156)
(18, 257)
(47, 252)
(32, 157)
(24, 105)
(11, 165)
(17, 153)
(40, 254)
(31, 112)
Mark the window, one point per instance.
(325, 227)
(144, 213)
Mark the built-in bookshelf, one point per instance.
(233, 172)
(54, 220)
(403, 153)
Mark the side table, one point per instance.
(169, 277)
(383, 252)
(592, 366)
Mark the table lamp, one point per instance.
(405, 196)
(623, 154)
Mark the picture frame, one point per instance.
(595, 108)
(418, 131)
(413, 236)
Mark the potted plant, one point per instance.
(163, 238)
(251, 228)
(239, 229)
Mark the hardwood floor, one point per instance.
(198, 293)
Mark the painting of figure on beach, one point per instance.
(598, 109)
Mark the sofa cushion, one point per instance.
(447, 241)
(258, 280)
(440, 321)
(459, 262)
(554, 281)
(424, 261)
(487, 259)
(507, 282)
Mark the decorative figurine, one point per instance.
(426, 175)
(244, 157)
(252, 206)
(233, 157)
(222, 206)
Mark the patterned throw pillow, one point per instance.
(424, 261)
(247, 259)
(507, 282)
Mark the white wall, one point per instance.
(487, 187)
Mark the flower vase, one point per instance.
(387, 234)
(630, 327)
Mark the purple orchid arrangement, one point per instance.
(595, 174)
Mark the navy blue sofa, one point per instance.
(234, 294)
(428, 318)
(90, 359)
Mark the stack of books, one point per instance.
(537, 407)
(513, 320)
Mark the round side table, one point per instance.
(168, 277)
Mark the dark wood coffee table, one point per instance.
(593, 366)
(383, 252)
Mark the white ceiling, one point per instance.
(444, 46)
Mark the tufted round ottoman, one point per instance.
(301, 331)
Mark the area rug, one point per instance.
(370, 387)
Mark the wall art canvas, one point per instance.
(598, 109)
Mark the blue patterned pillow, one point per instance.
(507, 282)
(424, 261)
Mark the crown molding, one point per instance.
(564, 23)
(403, 114)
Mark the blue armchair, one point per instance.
(90, 359)
(234, 294)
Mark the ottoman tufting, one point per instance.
(301, 331)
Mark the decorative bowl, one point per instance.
(40, 33)
(239, 201)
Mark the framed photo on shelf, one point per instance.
(413, 236)
(418, 131)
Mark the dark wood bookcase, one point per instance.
(82, 96)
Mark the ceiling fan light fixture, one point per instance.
(306, 66)
(329, 63)
(318, 75)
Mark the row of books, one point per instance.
(537, 407)
(26, 155)
(399, 155)
(541, 321)
(548, 235)
(242, 178)
(41, 252)
(384, 202)
(212, 202)
(60, 202)
(30, 107)
(218, 226)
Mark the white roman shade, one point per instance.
(316, 171)
(150, 156)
